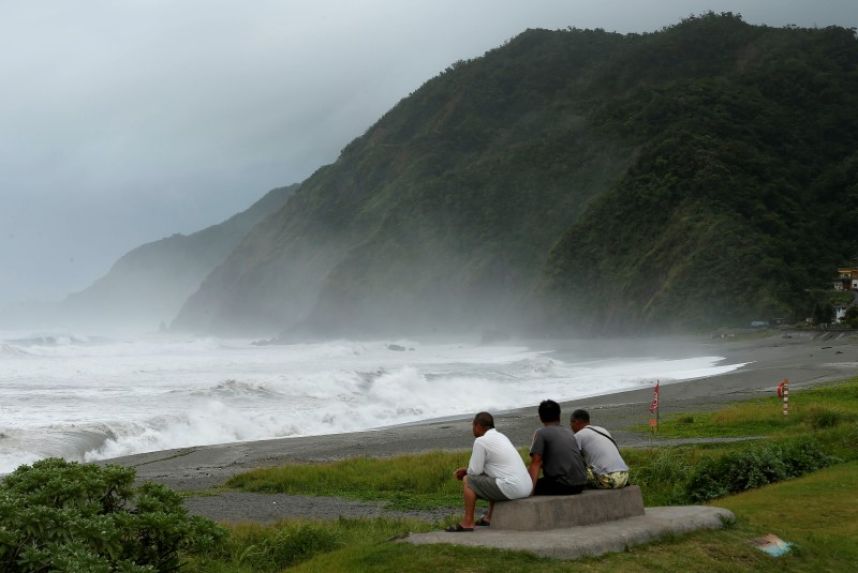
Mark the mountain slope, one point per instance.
(689, 177)
(742, 195)
(444, 210)
(147, 285)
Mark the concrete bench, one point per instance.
(562, 511)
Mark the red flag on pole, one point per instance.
(653, 407)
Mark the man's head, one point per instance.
(483, 422)
(549, 412)
(580, 420)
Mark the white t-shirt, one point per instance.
(599, 452)
(495, 456)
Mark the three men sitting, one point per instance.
(568, 461)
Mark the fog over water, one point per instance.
(88, 399)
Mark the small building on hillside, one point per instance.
(847, 278)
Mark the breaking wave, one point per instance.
(113, 398)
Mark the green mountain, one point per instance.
(744, 192)
(700, 175)
(147, 286)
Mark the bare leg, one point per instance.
(470, 504)
(488, 516)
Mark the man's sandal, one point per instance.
(483, 522)
(458, 528)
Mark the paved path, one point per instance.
(590, 540)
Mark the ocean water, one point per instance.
(87, 398)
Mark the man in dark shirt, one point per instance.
(556, 452)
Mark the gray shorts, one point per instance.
(486, 487)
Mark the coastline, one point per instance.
(805, 358)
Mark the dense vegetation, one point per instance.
(745, 190)
(62, 516)
(702, 175)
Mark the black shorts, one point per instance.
(548, 486)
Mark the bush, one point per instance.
(754, 467)
(64, 516)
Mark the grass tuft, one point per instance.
(422, 481)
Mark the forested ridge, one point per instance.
(745, 191)
(701, 175)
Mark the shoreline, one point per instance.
(805, 358)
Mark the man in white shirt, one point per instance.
(605, 466)
(496, 472)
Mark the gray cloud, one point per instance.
(121, 122)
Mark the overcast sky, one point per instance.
(123, 121)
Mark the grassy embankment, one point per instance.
(819, 512)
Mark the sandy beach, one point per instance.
(805, 358)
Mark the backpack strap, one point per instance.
(604, 435)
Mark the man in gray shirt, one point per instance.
(555, 451)
(605, 466)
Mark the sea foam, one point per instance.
(89, 399)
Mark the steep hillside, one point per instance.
(745, 190)
(441, 213)
(687, 177)
(147, 286)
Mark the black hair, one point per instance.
(549, 411)
(485, 420)
(581, 416)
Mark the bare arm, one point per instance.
(535, 466)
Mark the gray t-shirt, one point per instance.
(561, 459)
(599, 452)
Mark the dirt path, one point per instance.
(268, 508)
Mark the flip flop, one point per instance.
(482, 522)
(458, 528)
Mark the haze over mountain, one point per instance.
(700, 175)
(145, 288)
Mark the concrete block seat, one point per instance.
(562, 511)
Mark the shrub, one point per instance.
(754, 467)
(64, 516)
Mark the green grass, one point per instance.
(818, 513)
(419, 481)
(423, 481)
(810, 410)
